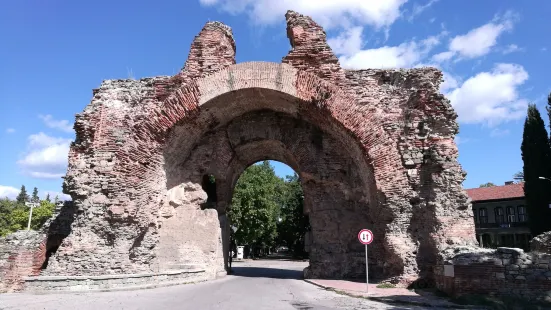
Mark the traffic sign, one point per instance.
(365, 236)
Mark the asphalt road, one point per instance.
(264, 284)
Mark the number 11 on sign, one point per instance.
(366, 237)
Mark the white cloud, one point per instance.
(46, 157)
(10, 130)
(450, 82)
(405, 55)
(418, 9)
(491, 97)
(348, 42)
(328, 13)
(8, 191)
(444, 56)
(479, 41)
(512, 48)
(63, 124)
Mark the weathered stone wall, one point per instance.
(373, 148)
(432, 207)
(501, 272)
(421, 124)
(26, 253)
(20, 255)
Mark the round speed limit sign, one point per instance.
(365, 236)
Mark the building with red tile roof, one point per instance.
(500, 215)
(508, 191)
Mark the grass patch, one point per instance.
(386, 285)
(500, 303)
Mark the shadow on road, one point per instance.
(263, 272)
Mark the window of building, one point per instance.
(511, 217)
(483, 215)
(475, 213)
(500, 216)
(521, 211)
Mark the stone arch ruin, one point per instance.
(373, 148)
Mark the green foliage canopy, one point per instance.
(294, 223)
(269, 211)
(254, 209)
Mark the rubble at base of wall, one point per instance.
(541, 243)
(115, 282)
(497, 272)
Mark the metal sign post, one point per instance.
(32, 205)
(366, 237)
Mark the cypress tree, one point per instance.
(35, 197)
(549, 114)
(536, 155)
(23, 196)
(47, 197)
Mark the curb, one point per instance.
(387, 300)
(317, 284)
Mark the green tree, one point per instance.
(56, 199)
(536, 155)
(6, 207)
(254, 209)
(489, 184)
(519, 176)
(294, 223)
(48, 197)
(19, 218)
(23, 196)
(34, 197)
(41, 214)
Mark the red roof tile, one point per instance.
(496, 192)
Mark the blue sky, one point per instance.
(53, 53)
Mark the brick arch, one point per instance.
(360, 121)
(306, 94)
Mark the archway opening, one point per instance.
(268, 223)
